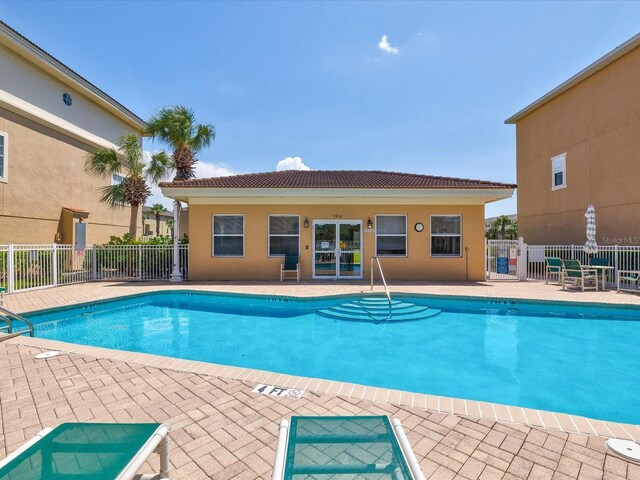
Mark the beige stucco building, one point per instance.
(50, 119)
(579, 145)
(149, 226)
(421, 227)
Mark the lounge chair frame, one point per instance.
(405, 447)
(158, 442)
(553, 266)
(578, 275)
(287, 267)
(628, 276)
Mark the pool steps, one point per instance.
(376, 309)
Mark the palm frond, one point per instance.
(204, 135)
(103, 162)
(157, 208)
(159, 167)
(113, 195)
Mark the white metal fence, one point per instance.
(30, 267)
(618, 257)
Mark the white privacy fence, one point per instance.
(29, 267)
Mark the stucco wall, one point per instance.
(46, 173)
(22, 79)
(597, 124)
(256, 265)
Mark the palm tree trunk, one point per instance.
(133, 223)
(157, 224)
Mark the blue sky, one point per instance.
(311, 80)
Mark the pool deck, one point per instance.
(222, 430)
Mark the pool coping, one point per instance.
(162, 289)
(448, 405)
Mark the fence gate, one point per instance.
(503, 258)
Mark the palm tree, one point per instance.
(170, 226)
(512, 230)
(177, 127)
(129, 162)
(501, 223)
(157, 209)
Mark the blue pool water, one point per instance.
(580, 359)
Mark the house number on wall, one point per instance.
(337, 215)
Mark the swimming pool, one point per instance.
(582, 359)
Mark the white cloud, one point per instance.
(291, 163)
(385, 46)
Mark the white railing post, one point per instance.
(140, 262)
(94, 262)
(176, 274)
(522, 260)
(616, 265)
(11, 267)
(486, 259)
(54, 261)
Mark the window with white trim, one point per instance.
(391, 235)
(3, 157)
(559, 171)
(446, 235)
(228, 235)
(116, 179)
(284, 235)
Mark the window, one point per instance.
(391, 235)
(116, 179)
(284, 235)
(446, 235)
(228, 235)
(559, 171)
(4, 148)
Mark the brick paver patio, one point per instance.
(221, 430)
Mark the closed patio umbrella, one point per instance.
(591, 246)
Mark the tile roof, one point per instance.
(76, 210)
(336, 179)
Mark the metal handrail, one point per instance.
(15, 316)
(384, 282)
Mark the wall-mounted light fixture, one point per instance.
(369, 224)
(306, 223)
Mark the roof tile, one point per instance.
(336, 179)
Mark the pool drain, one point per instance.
(47, 354)
(625, 448)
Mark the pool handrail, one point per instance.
(384, 282)
(8, 317)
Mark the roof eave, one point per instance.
(24, 47)
(596, 66)
(317, 194)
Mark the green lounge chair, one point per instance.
(579, 275)
(290, 265)
(361, 447)
(92, 451)
(553, 266)
(599, 262)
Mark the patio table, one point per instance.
(602, 271)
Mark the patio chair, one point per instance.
(579, 275)
(599, 261)
(90, 450)
(344, 447)
(2, 292)
(290, 265)
(553, 266)
(630, 277)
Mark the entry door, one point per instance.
(337, 249)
